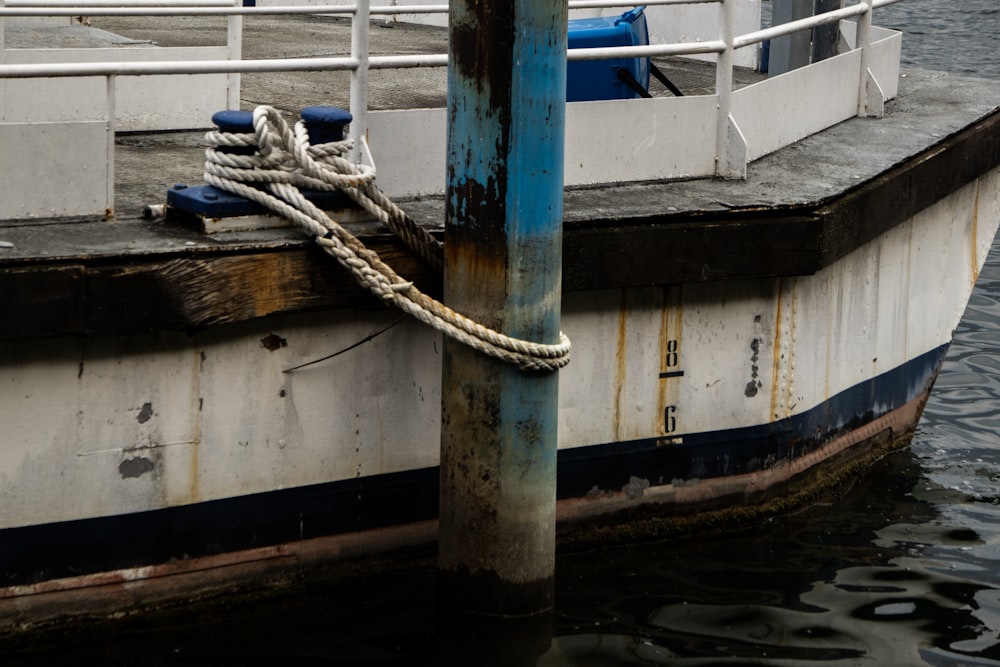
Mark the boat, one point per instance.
(760, 282)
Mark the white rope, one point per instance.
(284, 161)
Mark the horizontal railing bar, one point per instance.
(599, 4)
(54, 70)
(801, 24)
(322, 9)
(391, 62)
(689, 48)
(375, 62)
(89, 4)
(221, 10)
(409, 9)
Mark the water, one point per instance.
(903, 569)
(957, 36)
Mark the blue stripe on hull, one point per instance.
(35, 553)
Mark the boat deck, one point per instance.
(148, 163)
(799, 208)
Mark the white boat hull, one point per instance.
(129, 452)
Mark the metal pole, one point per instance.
(359, 77)
(234, 45)
(724, 91)
(826, 38)
(503, 265)
(792, 51)
(863, 42)
(111, 108)
(3, 59)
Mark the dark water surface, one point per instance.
(903, 570)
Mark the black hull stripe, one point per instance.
(36, 553)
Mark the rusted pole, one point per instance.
(503, 264)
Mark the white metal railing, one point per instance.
(359, 62)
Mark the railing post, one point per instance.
(863, 42)
(3, 59)
(730, 149)
(234, 47)
(112, 127)
(503, 268)
(359, 78)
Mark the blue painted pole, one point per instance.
(503, 265)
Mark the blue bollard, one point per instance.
(325, 124)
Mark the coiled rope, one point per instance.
(284, 161)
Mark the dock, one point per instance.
(798, 209)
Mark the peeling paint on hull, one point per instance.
(674, 509)
(160, 456)
(724, 368)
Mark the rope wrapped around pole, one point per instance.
(284, 161)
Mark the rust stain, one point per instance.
(194, 470)
(898, 425)
(791, 348)
(827, 367)
(478, 272)
(270, 281)
(671, 329)
(269, 284)
(110, 594)
(621, 361)
(776, 360)
(974, 236)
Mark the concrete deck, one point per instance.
(147, 164)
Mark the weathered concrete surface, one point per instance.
(148, 163)
(930, 107)
(300, 37)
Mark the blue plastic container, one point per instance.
(599, 79)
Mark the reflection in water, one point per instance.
(859, 583)
(879, 580)
(489, 642)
